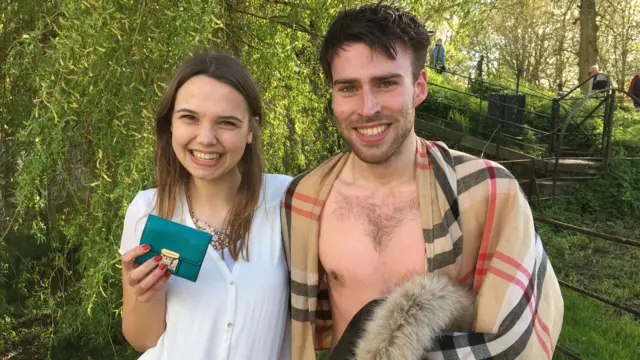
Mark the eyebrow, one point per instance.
(226, 117)
(375, 78)
(230, 117)
(189, 111)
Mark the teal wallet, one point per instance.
(182, 248)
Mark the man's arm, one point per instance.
(519, 306)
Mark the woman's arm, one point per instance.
(144, 295)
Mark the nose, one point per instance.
(370, 103)
(207, 134)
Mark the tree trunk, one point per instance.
(588, 52)
(559, 71)
(539, 57)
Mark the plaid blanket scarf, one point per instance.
(478, 229)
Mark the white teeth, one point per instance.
(373, 131)
(204, 156)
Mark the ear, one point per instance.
(253, 122)
(421, 89)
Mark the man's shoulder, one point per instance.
(458, 159)
(462, 159)
(472, 171)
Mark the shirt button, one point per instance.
(229, 325)
(232, 283)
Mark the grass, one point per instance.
(593, 330)
(603, 268)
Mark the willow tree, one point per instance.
(78, 110)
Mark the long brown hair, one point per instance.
(171, 175)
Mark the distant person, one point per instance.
(600, 80)
(634, 89)
(438, 57)
(479, 67)
(209, 175)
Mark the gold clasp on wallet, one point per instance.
(170, 258)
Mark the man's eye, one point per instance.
(347, 89)
(387, 84)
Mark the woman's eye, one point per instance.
(387, 84)
(188, 117)
(227, 123)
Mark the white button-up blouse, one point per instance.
(226, 314)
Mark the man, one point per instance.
(385, 222)
(599, 80)
(438, 56)
(634, 89)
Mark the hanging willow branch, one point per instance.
(296, 27)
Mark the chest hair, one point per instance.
(379, 216)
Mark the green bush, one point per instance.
(626, 133)
(462, 122)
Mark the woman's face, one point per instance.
(209, 127)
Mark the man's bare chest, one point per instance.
(371, 239)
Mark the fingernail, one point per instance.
(157, 258)
(162, 267)
(146, 247)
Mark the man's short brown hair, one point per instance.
(379, 26)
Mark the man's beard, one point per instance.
(377, 155)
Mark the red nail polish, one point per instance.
(162, 267)
(146, 247)
(157, 258)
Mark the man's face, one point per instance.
(374, 99)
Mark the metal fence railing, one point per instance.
(607, 237)
(545, 126)
(563, 127)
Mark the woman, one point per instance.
(634, 89)
(209, 175)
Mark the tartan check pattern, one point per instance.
(478, 229)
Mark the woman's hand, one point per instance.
(149, 280)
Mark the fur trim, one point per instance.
(410, 319)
